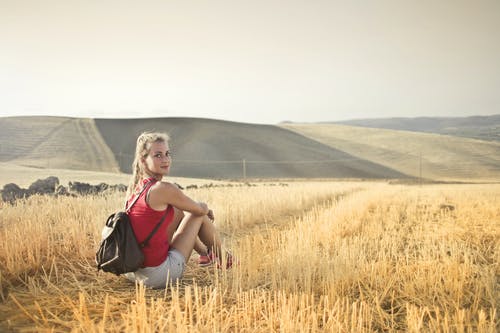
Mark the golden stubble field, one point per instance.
(314, 257)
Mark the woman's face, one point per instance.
(158, 161)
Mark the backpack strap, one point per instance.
(151, 234)
(138, 195)
(157, 226)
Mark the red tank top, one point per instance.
(143, 219)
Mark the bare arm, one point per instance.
(163, 194)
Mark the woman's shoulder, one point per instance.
(164, 191)
(164, 186)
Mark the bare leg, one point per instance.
(187, 234)
(209, 236)
(172, 227)
(199, 247)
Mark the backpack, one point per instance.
(119, 252)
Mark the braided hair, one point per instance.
(142, 148)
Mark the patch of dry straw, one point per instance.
(344, 257)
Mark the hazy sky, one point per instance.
(250, 61)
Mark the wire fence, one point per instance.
(403, 165)
(413, 165)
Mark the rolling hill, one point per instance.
(223, 149)
(55, 142)
(476, 127)
(207, 148)
(431, 156)
(203, 148)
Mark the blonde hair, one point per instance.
(142, 148)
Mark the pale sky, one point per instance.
(250, 61)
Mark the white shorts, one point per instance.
(159, 276)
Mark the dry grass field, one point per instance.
(314, 257)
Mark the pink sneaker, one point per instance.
(230, 261)
(206, 260)
(210, 258)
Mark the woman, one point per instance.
(187, 226)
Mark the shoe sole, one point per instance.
(206, 265)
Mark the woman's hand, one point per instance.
(211, 215)
(204, 208)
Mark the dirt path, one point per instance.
(282, 220)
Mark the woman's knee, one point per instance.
(191, 219)
(207, 220)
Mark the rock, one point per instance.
(62, 191)
(101, 187)
(82, 188)
(11, 192)
(86, 189)
(114, 188)
(44, 186)
(119, 187)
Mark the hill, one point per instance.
(432, 156)
(477, 127)
(203, 148)
(207, 148)
(55, 142)
(222, 149)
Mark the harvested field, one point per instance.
(314, 257)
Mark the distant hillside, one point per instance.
(430, 155)
(205, 148)
(222, 149)
(477, 127)
(54, 142)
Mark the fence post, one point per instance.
(244, 169)
(420, 168)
